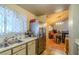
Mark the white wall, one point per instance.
(73, 27)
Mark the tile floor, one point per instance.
(52, 51)
(51, 43)
(52, 48)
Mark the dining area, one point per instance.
(58, 36)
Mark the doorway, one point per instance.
(57, 34)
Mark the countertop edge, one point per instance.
(18, 44)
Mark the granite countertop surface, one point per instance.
(17, 44)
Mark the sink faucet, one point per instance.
(5, 40)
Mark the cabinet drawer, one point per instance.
(22, 52)
(31, 50)
(6, 53)
(18, 48)
(31, 42)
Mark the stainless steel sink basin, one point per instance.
(2, 45)
(15, 41)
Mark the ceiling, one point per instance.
(44, 9)
(56, 17)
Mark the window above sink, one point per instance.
(11, 21)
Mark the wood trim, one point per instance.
(26, 48)
(11, 51)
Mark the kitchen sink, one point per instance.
(2, 45)
(14, 41)
(18, 41)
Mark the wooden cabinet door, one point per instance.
(44, 42)
(40, 45)
(20, 50)
(31, 48)
(37, 46)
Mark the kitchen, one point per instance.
(27, 29)
(15, 35)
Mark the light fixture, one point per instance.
(59, 23)
(59, 10)
(45, 24)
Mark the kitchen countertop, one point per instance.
(17, 44)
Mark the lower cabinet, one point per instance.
(20, 50)
(40, 45)
(31, 48)
(8, 52)
(25, 49)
